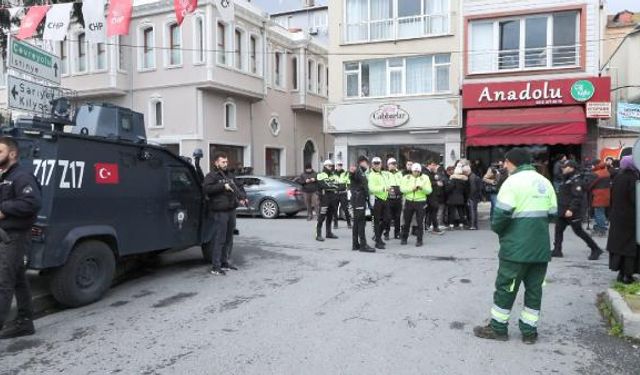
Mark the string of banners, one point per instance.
(99, 26)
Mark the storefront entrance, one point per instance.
(402, 153)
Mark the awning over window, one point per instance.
(526, 126)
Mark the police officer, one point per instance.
(20, 201)
(359, 197)
(327, 192)
(415, 188)
(343, 178)
(571, 198)
(379, 187)
(394, 179)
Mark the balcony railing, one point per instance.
(396, 28)
(524, 59)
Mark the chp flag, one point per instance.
(31, 21)
(57, 23)
(226, 9)
(119, 17)
(184, 7)
(94, 21)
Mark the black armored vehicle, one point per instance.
(107, 195)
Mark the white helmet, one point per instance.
(328, 162)
(392, 161)
(416, 167)
(376, 160)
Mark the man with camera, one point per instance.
(225, 194)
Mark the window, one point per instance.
(416, 75)
(100, 56)
(121, 52)
(311, 71)
(198, 56)
(371, 20)
(64, 58)
(294, 73)
(253, 59)
(81, 57)
(229, 116)
(175, 45)
(222, 43)
(320, 79)
(239, 50)
(148, 52)
(539, 41)
(156, 113)
(235, 154)
(278, 67)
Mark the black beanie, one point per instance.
(518, 156)
(362, 158)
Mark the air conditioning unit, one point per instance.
(313, 31)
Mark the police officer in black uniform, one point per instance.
(359, 196)
(20, 201)
(571, 198)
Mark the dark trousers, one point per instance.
(13, 278)
(380, 218)
(328, 207)
(311, 201)
(432, 215)
(343, 205)
(457, 214)
(395, 213)
(224, 223)
(359, 203)
(411, 209)
(473, 213)
(576, 225)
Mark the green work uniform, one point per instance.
(526, 204)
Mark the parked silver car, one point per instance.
(271, 196)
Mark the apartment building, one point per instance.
(532, 77)
(249, 88)
(394, 79)
(308, 17)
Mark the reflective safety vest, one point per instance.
(409, 185)
(378, 185)
(344, 177)
(526, 204)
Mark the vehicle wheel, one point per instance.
(86, 276)
(292, 214)
(207, 253)
(269, 209)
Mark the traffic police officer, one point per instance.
(359, 197)
(379, 187)
(20, 201)
(394, 179)
(415, 187)
(327, 192)
(526, 204)
(342, 177)
(571, 196)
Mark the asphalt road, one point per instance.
(302, 307)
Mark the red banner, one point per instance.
(31, 21)
(107, 174)
(119, 17)
(184, 7)
(536, 93)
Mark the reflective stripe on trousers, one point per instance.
(500, 315)
(530, 317)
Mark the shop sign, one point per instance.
(536, 93)
(389, 116)
(599, 110)
(629, 114)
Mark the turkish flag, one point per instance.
(107, 174)
(31, 21)
(119, 17)
(184, 7)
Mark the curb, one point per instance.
(630, 321)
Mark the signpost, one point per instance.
(30, 96)
(598, 109)
(33, 61)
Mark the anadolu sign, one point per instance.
(389, 116)
(536, 93)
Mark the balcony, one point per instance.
(514, 60)
(231, 81)
(96, 85)
(308, 102)
(420, 26)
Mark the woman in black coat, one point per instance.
(624, 251)
(457, 191)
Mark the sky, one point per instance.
(614, 6)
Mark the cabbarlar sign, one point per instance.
(389, 116)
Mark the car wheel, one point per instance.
(86, 276)
(269, 209)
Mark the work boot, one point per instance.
(557, 253)
(22, 327)
(319, 238)
(367, 249)
(332, 236)
(386, 237)
(627, 279)
(487, 332)
(437, 232)
(530, 339)
(396, 236)
(380, 245)
(595, 254)
(419, 243)
(229, 267)
(217, 271)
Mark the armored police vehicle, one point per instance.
(107, 195)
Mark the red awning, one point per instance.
(526, 126)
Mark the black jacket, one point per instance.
(308, 187)
(476, 187)
(571, 196)
(359, 187)
(437, 194)
(622, 233)
(20, 198)
(220, 199)
(457, 190)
